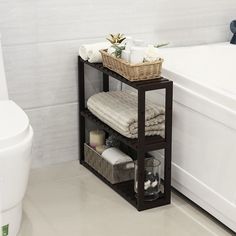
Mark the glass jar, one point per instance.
(152, 180)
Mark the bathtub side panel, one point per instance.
(204, 155)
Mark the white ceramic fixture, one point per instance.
(16, 137)
(204, 126)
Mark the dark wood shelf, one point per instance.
(151, 142)
(141, 145)
(151, 84)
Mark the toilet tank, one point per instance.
(3, 82)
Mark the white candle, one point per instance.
(96, 138)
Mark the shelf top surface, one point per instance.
(134, 84)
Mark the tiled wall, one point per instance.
(41, 39)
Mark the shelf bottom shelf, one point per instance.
(126, 190)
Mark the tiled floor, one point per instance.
(68, 200)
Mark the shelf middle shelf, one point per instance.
(151, 142)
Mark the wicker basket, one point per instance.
(132, 72)
(113, 173)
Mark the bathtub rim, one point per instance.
(207, 101)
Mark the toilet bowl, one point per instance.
(16, 137)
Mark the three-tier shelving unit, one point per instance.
(142, 145)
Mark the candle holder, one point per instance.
(152, 180)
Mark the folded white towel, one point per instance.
(118, 109)
(91, 52)
(115, 156)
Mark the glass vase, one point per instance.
(152, 180)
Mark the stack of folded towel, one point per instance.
(91, 52)
(118, 109)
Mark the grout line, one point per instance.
(50, 41)
(48, 106)
(100, 37)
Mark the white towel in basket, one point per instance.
(115, 156)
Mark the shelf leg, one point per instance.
(168, 137)
(105, 82)
(141, 152)
(105, 79)
(81, 101)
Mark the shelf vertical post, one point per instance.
(168, 138)
(105, 82)
(141, 143)
(81, 107)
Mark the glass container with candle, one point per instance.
(152, 180)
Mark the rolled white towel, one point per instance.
(115, 156)
(91, 52)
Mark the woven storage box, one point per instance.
(113, 173)
(132, 72)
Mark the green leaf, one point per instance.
(118, 50)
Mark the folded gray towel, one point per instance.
(118, 109)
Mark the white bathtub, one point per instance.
(204, 126)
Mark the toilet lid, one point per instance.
(14, 124)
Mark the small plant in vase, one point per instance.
(116, 38)
(116, 47)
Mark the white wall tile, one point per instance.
(41, 40)
(18, 21)
(55, 134)
(45, 74)
(60, 20)
(57, 20)
(30, 21)
(189, 36)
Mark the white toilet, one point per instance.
(16, 137)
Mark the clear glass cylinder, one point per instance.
(152, 180)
